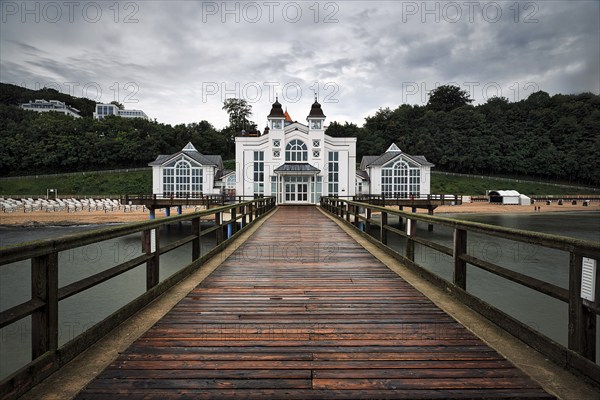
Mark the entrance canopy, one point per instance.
(296, 169)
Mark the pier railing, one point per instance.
(580, 355)
(47, 355)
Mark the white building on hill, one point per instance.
(297, 163)
(104, 110)
(52, 105)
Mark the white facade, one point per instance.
(52, 105)
(186, 174)
(104, 110)
(297, 163)
(395, 174)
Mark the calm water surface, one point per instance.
(80, 312)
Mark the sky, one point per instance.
(179, 60)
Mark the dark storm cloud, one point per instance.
(186, 57)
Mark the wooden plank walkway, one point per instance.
(301, 311)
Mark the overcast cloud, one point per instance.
(178, 60)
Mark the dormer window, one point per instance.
(315, 124)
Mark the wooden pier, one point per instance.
(302, 311)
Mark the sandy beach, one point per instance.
(81, 217)
(101, 217)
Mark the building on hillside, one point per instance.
(187, 174)
(104, 110)
(52, 105)
(394, 174)
(297, 163)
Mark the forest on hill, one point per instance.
(551, 137)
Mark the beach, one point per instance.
(119, 216)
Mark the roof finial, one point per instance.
(315, 96)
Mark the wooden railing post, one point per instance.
(356, 220)
(411, 230)
(219, 230)
(460, 266)
(44, 287)
(196, 243)
(382, 230)
(250, 212)
(150, 245)
(367, 223)
(244, 211)
(582, 321)
(233, 220)
(348, 212)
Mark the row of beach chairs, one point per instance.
(67, 205)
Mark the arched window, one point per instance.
(296, 151)
(400, 180)
(182, 179)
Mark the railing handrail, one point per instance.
(578, 356)
(26, 250)
(46, 293)
(543, 239)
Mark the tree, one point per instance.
(239, 111)
(448, 98)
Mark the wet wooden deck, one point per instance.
(301, 311)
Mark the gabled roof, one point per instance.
(363, 175)
(392, 152)
(190, 151)
(223, 173)
(296, 126)
(287, 116)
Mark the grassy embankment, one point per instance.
(92, 183)
(136, 182)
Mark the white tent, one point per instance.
(504, 196)
(524, 200)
